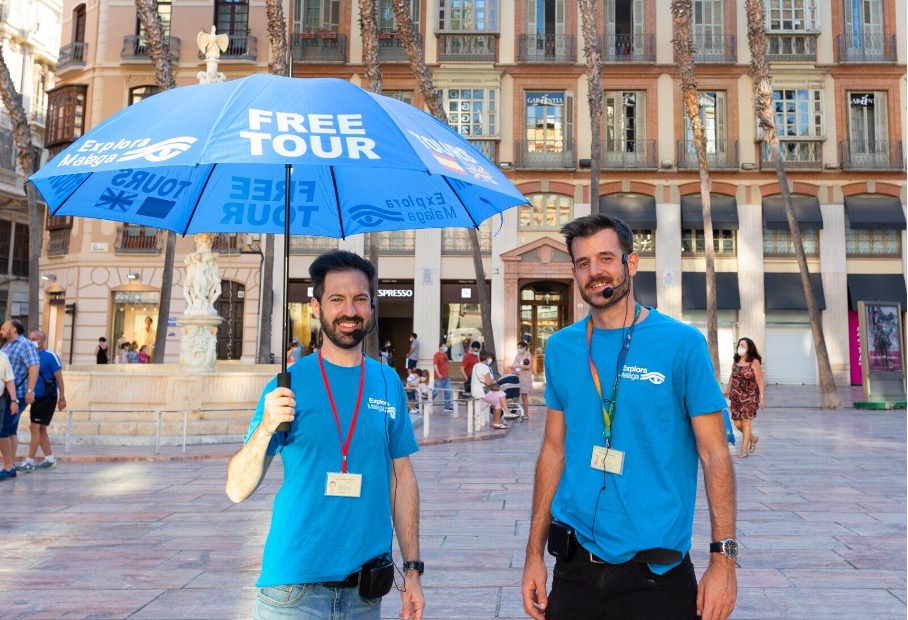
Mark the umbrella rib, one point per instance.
(71, 194)
(337, 201)
(462, 203)
(198, 201)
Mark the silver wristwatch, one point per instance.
(727, 547)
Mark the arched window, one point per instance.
(546, 211)
(79, 24)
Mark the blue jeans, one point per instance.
(10, 423)
(446, 385)
(314, 602)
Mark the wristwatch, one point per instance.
(415, 565)
(29, 391)
(727, 547)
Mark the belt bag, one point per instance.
(563, 544)
(376, 577)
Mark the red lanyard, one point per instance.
(345, 446)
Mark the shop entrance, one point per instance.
(230, 306)
(543, 311)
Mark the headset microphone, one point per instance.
(609, 291)
(360, 334)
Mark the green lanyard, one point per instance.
(608, 413)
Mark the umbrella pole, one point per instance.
(283, 378)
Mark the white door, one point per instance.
(789, 356)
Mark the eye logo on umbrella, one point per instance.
(160, 151)
(371, 216)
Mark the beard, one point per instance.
(595, 298)
(342, 339)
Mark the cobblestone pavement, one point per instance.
(821, 520)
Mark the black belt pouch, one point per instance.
(376, 577)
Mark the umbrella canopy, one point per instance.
(214, 157)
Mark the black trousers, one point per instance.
(582, 590)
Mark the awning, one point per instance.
(645, 288)
(693, 291)
(806, 210)
(637, 210)
(874, 287)
(784, 291)
(724, 210)
(874, 211)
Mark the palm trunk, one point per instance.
(684, 51)
(433, 99)
(158, 53)
(593, 54)
(759, 70)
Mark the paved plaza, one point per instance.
(821, 521)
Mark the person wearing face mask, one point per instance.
(523, 368)
(442, 377)
(23, 357)
(745, 392)
(483, 386)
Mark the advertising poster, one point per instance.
(884, 352)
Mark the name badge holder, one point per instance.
(342, 483)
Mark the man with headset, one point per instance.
(616, 478)
(347, 472)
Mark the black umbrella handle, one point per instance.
(283, 380)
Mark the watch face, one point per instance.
(730, 548)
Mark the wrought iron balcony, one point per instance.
(866, 48)
(307, 244)
(791, 47)
(720, 154)
(135, 47)
(715, 48)
(318, 47)
(797, 154)
(228, 243)
(58, 242)
(239, 47)
(72, 55)
(467, 47)
(391, 47)
(629, 154)
(871, 155)
(393, 242)
(629, 48)
(543, 155)
(546, 48)
(138, 240)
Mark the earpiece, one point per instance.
(372, 304)
(609, 291)
(624, 258)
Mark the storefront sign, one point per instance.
(466, 293)
(862, 100)
(136, 297)
(550, 98)
(395, 292)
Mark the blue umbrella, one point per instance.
(237, 156)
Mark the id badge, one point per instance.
(343, 485)
(607, 460)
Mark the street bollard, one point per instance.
(157, 437)
(185, 416)
(69, 431)
(426, 416)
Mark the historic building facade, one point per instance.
(512, 77)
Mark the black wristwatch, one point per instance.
(415, 565)
(727, 547)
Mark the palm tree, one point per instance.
(28, 158)
(593, 53)
(433, 99)
(684, 52)
(158, 51)
(759, 71)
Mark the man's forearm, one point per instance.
(719, 482)
(247, 467)
(32, 377)
(548, 473)
(405, 508)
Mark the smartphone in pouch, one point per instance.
(561, 540)
(376, 577)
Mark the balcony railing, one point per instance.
(791, 47)
(395, 242)
(467, 47)
(138, 240)
(456, 241)
(629, 48)
(715, 48)
(539, 155)
(135, 47)
(489, 148)
(318, 47)
(720, 154)
(58, 242)
(871, 155)
(305, 244)
(391, 48)
(799, 154)
(866, 48)
(239, 47)
(72, 55)
(629, 154)
(228, 243)
(546, 48)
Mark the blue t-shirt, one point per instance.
(315, 538)
(667, 380)
(49, 364)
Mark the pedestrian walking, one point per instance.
(413, 351)
(101, 356)
(7, 386)
(49, 394)
(23, 357)
(347, 472)
(616, 478)
(442, 377)
(386, 354)
(523, 368)
(745, 392)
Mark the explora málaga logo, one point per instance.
(636, 373)
(93, 153)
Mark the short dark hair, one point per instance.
(102, 339)
(339, 260)
(18, 326)
(589, 225)
(414, 335)
(475, 345)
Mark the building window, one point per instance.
(308, 244)
(868, 129)
(779, 243)
(393, 242)
(231, 17)
(7, 150)
(472, 112)
(468, 15)
(457, 240)
(799, 121)
(6, 240)
(645, 242)
(549, 121)
(316, 15)
(65, 114)
(139, 93)
(625, 122)
(792, 15)
(873, 243)
(79, 24)
(20, 251)
(546, 212)
(713, 116)
(386, 20)
(401, 95)
(693, 243)
(164, 14)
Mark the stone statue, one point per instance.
(202, 286)
(212, 45)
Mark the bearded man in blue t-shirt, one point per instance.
(347, 472)
(616, 478)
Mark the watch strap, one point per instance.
(415, 565)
